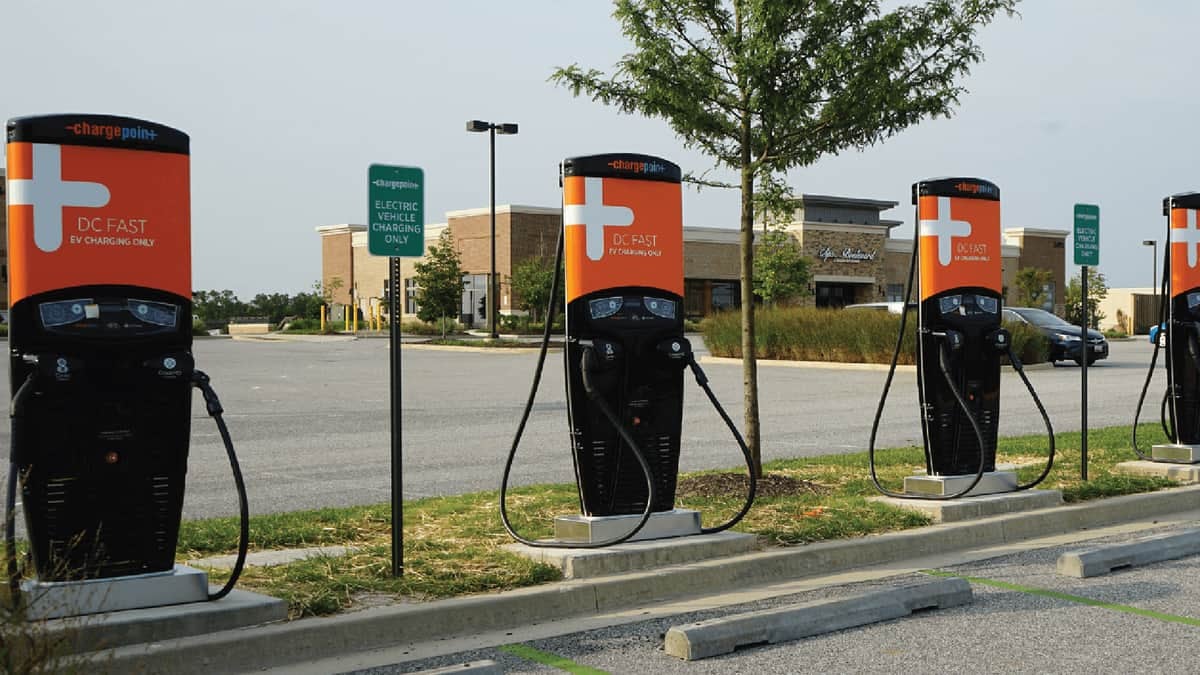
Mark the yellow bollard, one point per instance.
(346, 318)
(355, 306)
(322, 318)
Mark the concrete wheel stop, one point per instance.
(980, 506)
(1100, 560)
(1184, 473)
(783, 624)
(639, 555)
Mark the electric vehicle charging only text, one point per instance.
(99, 244)
(622, 234)
(960, 339)
(1179, 311)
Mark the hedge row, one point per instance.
(854, 336)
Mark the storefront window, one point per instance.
(725, 295)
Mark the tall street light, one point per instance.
(1154, 243)
(493, 292)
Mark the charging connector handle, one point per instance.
(201, 381)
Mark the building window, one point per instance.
(725, 295)
(1048, 296)
(895, 292)
(410, 296)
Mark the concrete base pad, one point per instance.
(239, 609)
(1184, 473)
(1144, 551)
(970, 508)
(641, 555)
(1170, 452)
(990, 483)
(56, 599)
(722, 636)
(661, 525)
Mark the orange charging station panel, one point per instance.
(623, 259)
(1183, 235)
(100, 313)
(959, 313)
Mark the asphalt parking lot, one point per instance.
(310, 418)
(1025, 618)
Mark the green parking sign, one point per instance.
(1087, 234)
(396, 211)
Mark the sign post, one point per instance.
(396, 228)
(1087, 252)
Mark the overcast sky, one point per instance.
(287, 103)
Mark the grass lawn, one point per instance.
(452, 545)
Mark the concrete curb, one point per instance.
(703, 639)
(842, 365)
(311, 639)
(1094, 562)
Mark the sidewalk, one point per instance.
(397, 628)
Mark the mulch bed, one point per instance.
(713, 485)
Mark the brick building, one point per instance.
(3, 247)
(854, 257)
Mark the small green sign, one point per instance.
(1087, 234)
(396, 211)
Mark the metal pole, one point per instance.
(1083, 364)
(1154, 281)
(493, 302)
(397, 468)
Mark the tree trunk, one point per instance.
(749, 358)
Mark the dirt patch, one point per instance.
(713, 485)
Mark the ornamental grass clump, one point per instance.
(847, 336)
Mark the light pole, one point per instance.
(1153, 243)
(493, 287)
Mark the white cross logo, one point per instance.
(1187, 235)
(595, 216)
(48, 193)
(945, 229)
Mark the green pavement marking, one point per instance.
(1172, 618)
(548, 659)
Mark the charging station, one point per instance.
(1181, 315)
(101, 366)
(960, 341)
(621, 246)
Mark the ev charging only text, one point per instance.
(397, 219)
(111, 231)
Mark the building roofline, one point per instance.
(1035, 232)
(833, 200)
(506, 208)
(342, 228)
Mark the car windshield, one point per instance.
(1040, 317)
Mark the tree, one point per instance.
(274, 306)
(764, 86)
(307, 304)
(530, 282)
(218, 306)
(1032, 285)
(1097, 291)
(781, 270)
(439, 282)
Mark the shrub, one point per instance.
(434, 328)
(809, 334)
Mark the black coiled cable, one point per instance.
(213, 405)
